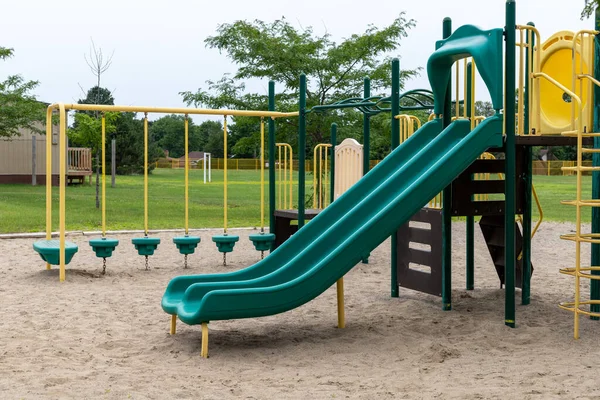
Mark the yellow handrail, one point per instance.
(533, 83)
(285, 183)
(317, 171)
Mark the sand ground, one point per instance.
(95, 337)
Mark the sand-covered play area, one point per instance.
(107, 337)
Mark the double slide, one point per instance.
(336, 240)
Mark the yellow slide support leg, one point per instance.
(204, 351)
(173, 324)
(340, 303)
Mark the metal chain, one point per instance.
(262, 255)
(103, 265)
(147, 267)
(224, 259)
(185, 261)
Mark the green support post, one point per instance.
(301, 150)
(470, 219)
(366, 138)
(395, 143)
(527, 177)
(595, 284)
(332, 180)
(271, 161)
(447, 198)
(509, 174)
(366, 129)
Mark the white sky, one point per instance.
(159, 46)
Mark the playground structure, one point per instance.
(441, 156)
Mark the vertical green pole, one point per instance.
(470, 218)
(509, 174)
(366, 129)
(595, 284)
(271, 160)
(527, 177)
(332, 179)
(301, 150)
(366, 138)
(447, 199)
(395, 143)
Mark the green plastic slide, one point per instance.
(339, 237)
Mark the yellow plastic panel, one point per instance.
(555, 106)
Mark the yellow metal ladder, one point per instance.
(578, 306)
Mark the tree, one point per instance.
(169, 134)
(590, 8)
(280, 52)
(88, 130)
(129, 135)
(98, 65)
(484, 108)
(97, 95)
(92, 134)
(211, 137)
(18, 106)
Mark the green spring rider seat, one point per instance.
(49, 250)
(104, 247)
(225, 244)
(145, 246)
(186, 245)
(262, 242)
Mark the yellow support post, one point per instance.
(340, 303)
(204, 351)
(63, 188)
(173, 324)
(48, 176)
(103, 175)
(145, 174)
(262, 175)
(224, 180)
(186, 172)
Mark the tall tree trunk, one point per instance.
(98, 179)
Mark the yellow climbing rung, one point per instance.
(582, 238)
(583, 203)
(573, 272)
(580, 168)
(570, 306)
(583, 134)
(588, 150)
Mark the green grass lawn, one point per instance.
(22, 207)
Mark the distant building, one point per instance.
(193, 156)
(17, 162)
